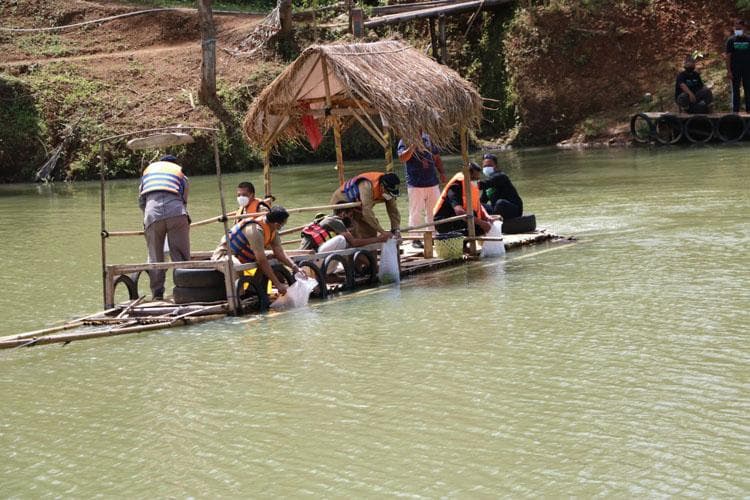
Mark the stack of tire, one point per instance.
(198, 285)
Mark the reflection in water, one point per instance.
(616, 366)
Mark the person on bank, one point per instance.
(370, 188)
(499, 195)
(163, 196)
(332, 233)
(247, 201)
(737, 55)
(250, 238)
(691, 95)
(423, 165)
(452, 202)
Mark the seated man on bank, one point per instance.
(332, 233)
(250, 238)
(689, 92)
(452, 202)
(370, 188)
(247, 201)
(499, 195)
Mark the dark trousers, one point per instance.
(703, 98)
(505, 208)
(740, 77)
(458, 226)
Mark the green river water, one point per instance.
(616, 366)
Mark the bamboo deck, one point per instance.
(139, 315)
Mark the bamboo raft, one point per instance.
(672, 128)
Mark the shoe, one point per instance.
(417, 244)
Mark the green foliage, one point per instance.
(43, 44)
(743, 4)
(21, 131)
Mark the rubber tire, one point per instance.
(198, 278)
(524, 224)
(243, 294)
(373, 278)
(349, 275)
(722, 137)
(686, 129)
(131, 285)
(320, 291)
(186, 295)
(675, 122)
(261, 280)
(652, 131)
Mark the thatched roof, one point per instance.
(407, 88)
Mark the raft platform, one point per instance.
(672, 128)
(358, 270)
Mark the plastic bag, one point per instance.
(296, 295)
(494, 248)
(388, 272)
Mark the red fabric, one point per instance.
(314, 136)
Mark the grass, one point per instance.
(44, 44)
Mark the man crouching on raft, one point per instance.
(370, 188)
(250, 238)
(330, 233)
(452, 202)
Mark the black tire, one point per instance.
(699, 129)
(641, 133)
(348, 274)
(261, 280)
(320, 291)
(131, 285)
(731, 128)
(186, 295)
(244, 293)
(668, 129)
(524, 224)
(198, 278)
(371, 276)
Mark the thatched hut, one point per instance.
(384, 86)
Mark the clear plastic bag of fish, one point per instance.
(297, 295)
(389, 272)
(494, 248)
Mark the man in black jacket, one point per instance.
(499, 196)
(689, 92)
(737, 55)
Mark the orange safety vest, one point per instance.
(459, 179)
(239, 244)
(251, 208)
(317, 233)
(163, 176)
(351, 189)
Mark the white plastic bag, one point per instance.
(388, 272)
(494, 248)
(296, 295)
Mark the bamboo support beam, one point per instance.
(467, 190)
(435, 223)
(388, 146)
(266, 172)
(375, 135)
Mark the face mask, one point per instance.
(487, 171)
(738, 32)
(242, 201)
(387, 196)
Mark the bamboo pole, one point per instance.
(266, 173)
(428, 245)
(467, 190)
(388, 146)
(435, 223)
(103, 221)
(130, 306)
(229, 275)
(336, 123)
(443, 43)
(375, 135)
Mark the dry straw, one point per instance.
(408, 89)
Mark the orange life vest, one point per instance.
(459, 179)
(350, 189)
(254, 206)
(239, 244)
(318, 234)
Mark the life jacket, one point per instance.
(163, 176)
(318, 234)
(253, 207)
(350, 189)
(475, 204)
(238, 241)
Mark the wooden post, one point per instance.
(467, 190)
(335, 119)
(428, 254)
(388, 145)
(229, 275)
(349, 12)
(443, 44)
(433, 39)
(266, 173)
(109, 290)
(358, 27)
(103, 223)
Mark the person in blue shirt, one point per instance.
(423, 166)
(689, 92)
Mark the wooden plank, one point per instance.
(434, 12)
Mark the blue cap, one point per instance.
(171, 158)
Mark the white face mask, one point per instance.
(487, 171)
(242, 201)
(738, 32)
(387, 196)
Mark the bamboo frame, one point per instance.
(467, 191)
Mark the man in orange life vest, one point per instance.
(332, 233)
(452, 202)
(370, 188)
(247, 201)
(250, 238)
(163, 198)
